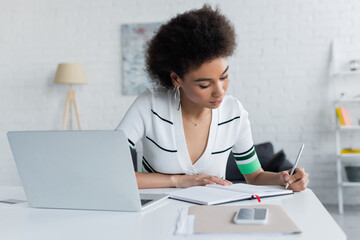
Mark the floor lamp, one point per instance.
(70, 73)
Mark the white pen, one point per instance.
(296, 163)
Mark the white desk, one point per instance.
(18, 221)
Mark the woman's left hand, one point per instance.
(298, 181)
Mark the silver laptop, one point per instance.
(78, 170)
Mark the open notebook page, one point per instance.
(254, 189)
(207, 196)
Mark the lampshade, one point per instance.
(70, 73)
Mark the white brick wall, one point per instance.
(279, 72)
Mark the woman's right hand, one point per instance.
(184, 181)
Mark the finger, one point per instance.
(299, 169)
(205, 181)
(215, 179)
(295, 170)
(220, 181)
(300, 184)
(299, 173)
(285, 176)
(226, 182)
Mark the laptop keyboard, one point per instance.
(145, 201)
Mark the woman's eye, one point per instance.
(223, 78)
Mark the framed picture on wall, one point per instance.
(133, 40)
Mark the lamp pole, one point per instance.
(70, 99)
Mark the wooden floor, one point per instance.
(349, 221)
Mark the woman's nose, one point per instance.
(218, 90)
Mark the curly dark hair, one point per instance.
(187, 41)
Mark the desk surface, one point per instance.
(18, 221)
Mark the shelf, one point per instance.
(350, 155)
(350, 184)
(348, 128)
(348, 100)
(341, 56)
(347, 73)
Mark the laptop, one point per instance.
(78, 170)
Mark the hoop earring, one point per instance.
(177, 96)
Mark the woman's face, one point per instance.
(206, 86)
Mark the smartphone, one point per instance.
(251, 216)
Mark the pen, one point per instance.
(296, 163)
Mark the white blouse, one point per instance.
(154, 119)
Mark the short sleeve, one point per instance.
(244, 150)
(133, 123)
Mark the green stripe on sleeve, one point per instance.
(250, 167)
(147, 168)
(246, 156)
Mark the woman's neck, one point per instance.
(191, 109)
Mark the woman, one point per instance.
(188, 126)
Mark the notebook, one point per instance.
(78, 170)
(217, 194)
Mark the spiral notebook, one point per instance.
(217, 194)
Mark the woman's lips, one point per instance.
(216, 102)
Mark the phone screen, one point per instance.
(251, 216)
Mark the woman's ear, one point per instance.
(175, 79)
